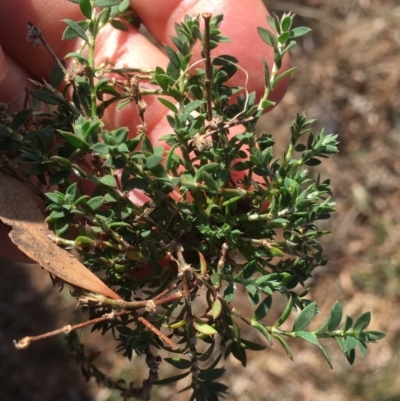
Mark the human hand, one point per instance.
(22, 60)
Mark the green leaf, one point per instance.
(348, 324)
(62, 225)
(235, 328)
(286, 23)
(57, 214)
(168, 104)
(75, 29)
(59, 177)
(108, 180)
(100, 148)
(192, 106)
(74, 140)
(262, 330)
(283, 75)
(210, 167)
(86, 8)
(362, 322)
(249, 269)
(252, 346)
(146, 145)
(277, 58)
(254, 295)
(173, 68)
(350, 343)
(117, 24)
(106, 3)
(229, 292)
(313, 162)
(203, 357)
(272, 23)
(283, 37)
(95, 203)
(300, 31)
(241, 166)
(84, 240)
(362, 347)
(285, 313)
(82, 59)
(44, 97)
(288, 47)
(284, 345)
(340, 341)
(351, 356)
(335, 316)
(268, 37)
(210, 182)
(172, 379)
(217, 309)
(71, 191)
(55, 197)
(57, 74)
(262, 309)
(21, 118)
(325, 354)
(81, 200)
(372, 336)
(266, 73)
(212, 374)
(123, 5)
(305, 317)
(135, 183)
(179, 363)
(204, 328)
(306, 335)
(239, 353)
(120, 135)
(153, 161)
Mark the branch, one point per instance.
(207, 56)
(26, 341)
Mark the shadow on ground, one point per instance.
(29, 305)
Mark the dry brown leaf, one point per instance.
(18, 209)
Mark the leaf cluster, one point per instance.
(222, 211)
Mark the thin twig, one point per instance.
(35, 35)
(207, 56)
(26, 341)
(154, 330)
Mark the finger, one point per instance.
(124, 49)
(47, 16)
(239, 24)
(132, 49)
(159, 18)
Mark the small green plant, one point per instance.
(178, 260)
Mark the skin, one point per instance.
(20, 60)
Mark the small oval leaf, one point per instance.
(305, 317)
(204, 328)
(179, 363)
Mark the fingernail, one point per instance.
(3, 66)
